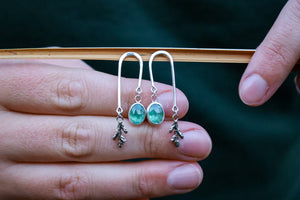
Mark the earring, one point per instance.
(155, 111)
(137, 111)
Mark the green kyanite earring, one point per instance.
(137, 111)
(155, 111)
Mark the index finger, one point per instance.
(274, 58)
(47, 89)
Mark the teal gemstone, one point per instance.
(137, 113)
(155, 113)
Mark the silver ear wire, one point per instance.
(175, 117)
(161, 52)
(119, 110)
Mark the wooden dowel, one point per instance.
(179, 54)
(114, 53)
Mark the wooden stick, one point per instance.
(114, 53)
(179, 54)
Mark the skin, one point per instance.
(57, 122)
(274, 59)
(58, 117)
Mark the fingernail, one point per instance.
(297, 83)
(195, 144)
(253, 89)
(184, 177)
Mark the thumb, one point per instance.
(274, 58)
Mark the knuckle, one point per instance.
(70, 95)
(77, 140)
(73, 186)
(276, 53)
(150, 144)
(143, 185)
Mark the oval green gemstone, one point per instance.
(137, 113)
(155, 113)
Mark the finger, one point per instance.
(101, 181)
(274, 58)
(41, 88)
(297, 83)
(34, 138)
(70, 63)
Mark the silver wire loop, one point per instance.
(153, 88)
(138, 98)
(119, 110)
(175, 117)
(175, 109)
(138, 89)
(153, 97)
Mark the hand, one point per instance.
(274, 58)
(57, 119)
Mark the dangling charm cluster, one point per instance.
(174, 128)
(119, 130)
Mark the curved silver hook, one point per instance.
(153, 89)
(119, 110)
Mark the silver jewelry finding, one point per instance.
(120, 128)
(156, 119)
